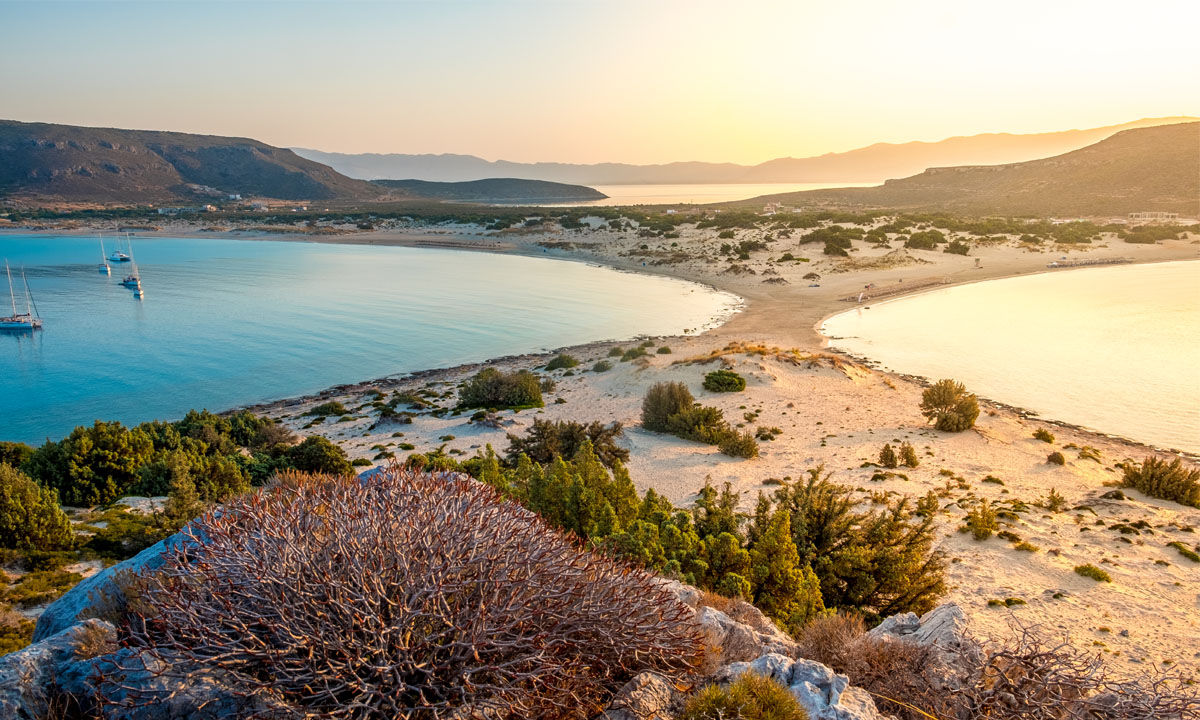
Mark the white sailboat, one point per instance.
(27, 320)
(132, 280)
(120, 257)
(103, 266)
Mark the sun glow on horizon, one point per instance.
(593, 82)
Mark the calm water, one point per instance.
(700, 194)
(1115, 349)
(231, 322)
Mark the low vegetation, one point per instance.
(949, 406)
(498, 390)
(1164, 480)
(562, 362)
(1091, 571)
(669, 407)
(724, 381)
(750, 697)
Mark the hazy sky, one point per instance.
(633, 81)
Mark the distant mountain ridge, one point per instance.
(869, 164)
(495, 190)
(107, 165)
(1144, 169)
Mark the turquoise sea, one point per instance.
(233, 322)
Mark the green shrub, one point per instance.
(562, 362)
(664, 350)
(616, 352)
(16, 630)
(1056, 458)
(1093, 572)
(957, 247)
(887, 457)
(602, 366)
(14, 453)
(633, 354)
(750, 697)
(1055, 502)
(949, 406)
(318, 455)
(724, 381)
(93, 465)
(546, 440)
(908, 455)
(981, 520)
(491, 388)
(333, 407)
(360, 462)
(738, 444)
(1167, 481)
(1044, 435)
(39, 587)
(1185, 551)
(663, 400)
(30, 518)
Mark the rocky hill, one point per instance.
(495, 190)
(1146, 169)
(65, 163)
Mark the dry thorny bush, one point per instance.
(1028, 677)
(406, 595)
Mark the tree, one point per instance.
(949, 406)
(318, 455)
(491, 388)
(547, 438)
(887, 457)
(30, 518)
(908, 455)
(784, 590)
(93, 465)
(663, 400)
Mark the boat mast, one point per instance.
(30, 305)
(11, 296)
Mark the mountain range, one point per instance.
(1145, 169)
(874, 163)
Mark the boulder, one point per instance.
(730, 641)
(42, 675)
(647, 696)
(947, 632)
(93, 595)
(824, 694)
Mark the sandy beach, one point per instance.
(837, 412)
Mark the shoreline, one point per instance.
(835, 412)
(745, 310)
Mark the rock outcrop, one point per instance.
(648, 696)
(947, 632)
(824, 694)
(52, 673)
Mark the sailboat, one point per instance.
(120, 257)
(20, 321)
(132, 280)
(103, 266)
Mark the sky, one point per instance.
(639, 81)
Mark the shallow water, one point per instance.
(699, 193)
(233, 322)
(1114, 349)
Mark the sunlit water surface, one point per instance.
(232, 322)
(1114, 349)
(699, 193)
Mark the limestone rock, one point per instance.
(824, 694)
(947, 631)
(101, 588)
(33, 678)
(647, 696)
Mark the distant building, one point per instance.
(1145, 216)
(235, 196)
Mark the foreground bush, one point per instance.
(724, 381)
(949, 406)
(1167, 481)
(406, 595)
(750, 697)
(491, 388)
